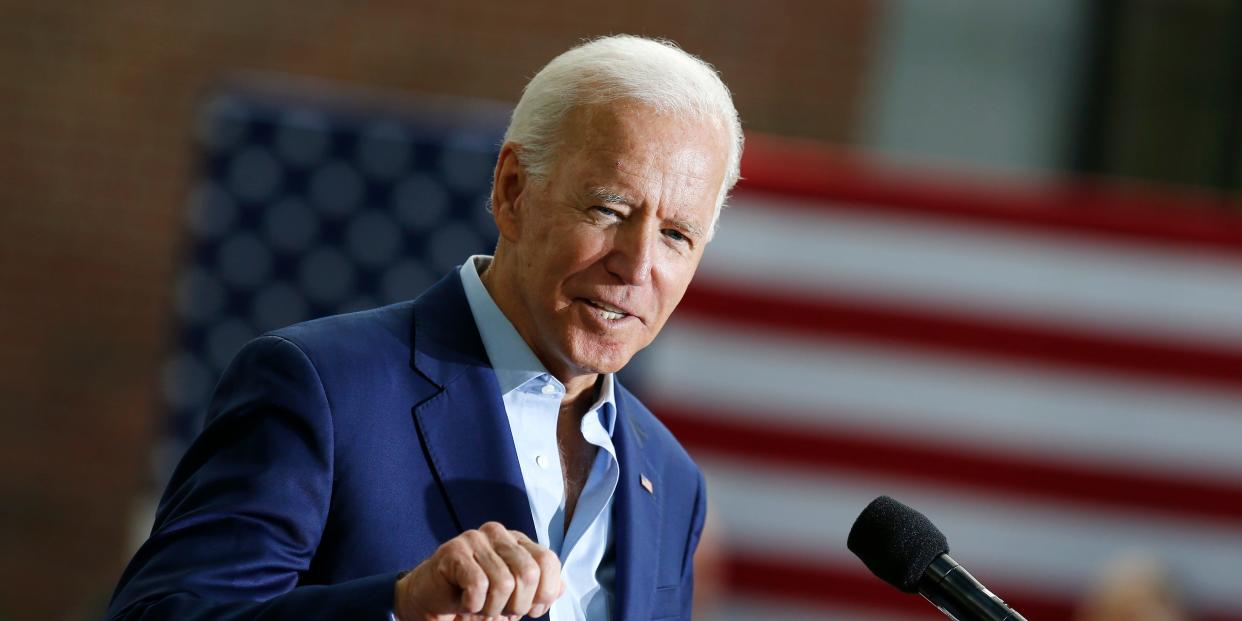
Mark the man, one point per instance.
(477, 434)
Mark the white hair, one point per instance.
(653, 72)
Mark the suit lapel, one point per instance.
(463, 426)
(636, 517)
(469, 443)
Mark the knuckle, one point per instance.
(462, 574)
(529, 572)
(502, 584)
(474, 582)
(547, 558)
(455, 550)
(494, 531)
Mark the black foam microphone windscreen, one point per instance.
(896, 542)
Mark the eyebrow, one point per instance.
(609, 196)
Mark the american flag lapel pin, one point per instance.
(646, 483)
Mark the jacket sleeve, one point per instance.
(244, 511)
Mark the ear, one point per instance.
(507, 186)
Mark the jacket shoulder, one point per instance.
(350, 336)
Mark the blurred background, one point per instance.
(987, 259)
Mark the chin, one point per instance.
(598, 358)
(601, 364)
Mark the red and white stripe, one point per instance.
(1054, 376)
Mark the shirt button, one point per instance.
(549, 389)
(541, 461)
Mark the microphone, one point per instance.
(903, 548)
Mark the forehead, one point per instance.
(661, 156)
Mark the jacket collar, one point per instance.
(445, 341)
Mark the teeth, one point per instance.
(610, 312)
(611, 309)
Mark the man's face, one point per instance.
(604, 248)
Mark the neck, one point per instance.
(579, 385)
(580, 397)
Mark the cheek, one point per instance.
(672, 282)
(575, 242)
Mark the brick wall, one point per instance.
(97, 102)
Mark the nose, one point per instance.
(632, 256)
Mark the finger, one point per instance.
(500, 581)
(521, 566)
(525, 572)
(550, 584)
(460, 569)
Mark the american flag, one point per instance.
(313, 200)
(1052, 374)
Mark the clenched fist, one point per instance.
(489, 572)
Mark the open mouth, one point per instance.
(607, 310)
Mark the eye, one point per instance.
(607, 212)
(676, 235)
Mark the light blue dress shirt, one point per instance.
(532, 400)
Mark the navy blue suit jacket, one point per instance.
(341, 451)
